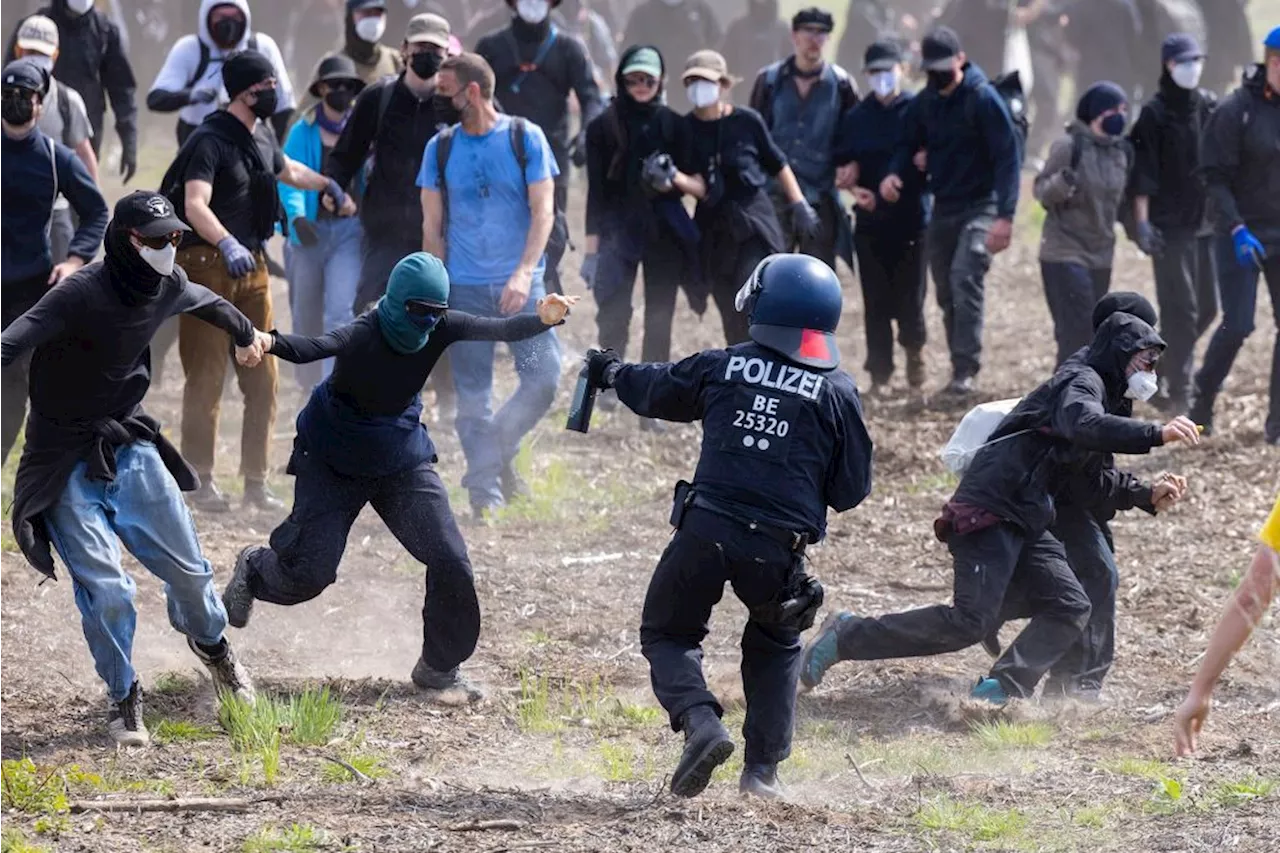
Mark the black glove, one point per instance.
(578, 151)
(203, 95)
(590, 263)
(600, 367)
(658, 172)
(305, 230)
(804, 219)
(128, 153)
(1150, 240)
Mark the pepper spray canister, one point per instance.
(584, 403)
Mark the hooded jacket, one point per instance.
(92, 60)
(173, 85)
(1166, 143)
(678, 30)
(1080, 227)
(972, 147)
(1058, 427)
(373, 60)
(1240, 160)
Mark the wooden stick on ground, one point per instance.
(856, 769)
(519, 845)
(474, 825)
(361, 777)
(193, 804)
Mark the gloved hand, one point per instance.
(1250, 253)
(601, 367)
(1068, 177)
(305, 230)
(578, 151)
(1150, 240)
(590, 262)
(204, 95)
(128, 153)
(804, 219)
(238, 259)
(334, 191)
(658, 172)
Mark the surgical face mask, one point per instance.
(1142, 385)
(533, 11)
(425, 63)
(160, 260)
(17, 108)
(1187, 74)
(265, 105)
(884, 83)
(1114, 124)
(227, 32)
(703, 93)
(371, 29)
(79, 7)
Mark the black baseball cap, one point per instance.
(813, 17)
(25, 74)
(938, 49)
(148, 214)
(881, 55)
(1180, 47)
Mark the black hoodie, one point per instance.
(1059, 426)
(1166, 140)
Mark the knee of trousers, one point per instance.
(973, 625)
(1074, 609)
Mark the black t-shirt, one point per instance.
(227, 167)
(739, 148)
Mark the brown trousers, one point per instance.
(205, 351)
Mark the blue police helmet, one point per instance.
(794, 303)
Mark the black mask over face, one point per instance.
(940, 80)
(265, 106)
(227, 32)
(446, 112)
(425, 63)
(339, 99)
(17, 108)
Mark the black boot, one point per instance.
(706, 746)
(760, 780)
(237, 597)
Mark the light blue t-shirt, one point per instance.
(488, 200)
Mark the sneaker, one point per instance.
(989, 690)
(259, 496)
(446, 688)
(124, 720)
(961, 386)
(915, 369)
(822, 652)
(513, 485)
(208, 497)
(707, 745)
(228, 674)
(237, 597)
(760, 780)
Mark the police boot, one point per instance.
(706, 746)
(760, 780)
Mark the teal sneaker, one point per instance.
(822, 652)
(989, 690)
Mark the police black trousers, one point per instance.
(307, 546)
(614, 282)
(991, 565)
(706, 551)
(1088, 547)
(727, 279)
(959, 260)
(1071, 291)
(1187, 294)
(894, 282)
(19, 297)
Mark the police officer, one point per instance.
(783, 439)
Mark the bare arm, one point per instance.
(433, 223)
(1141, 208)
(200, 216)
(87, 156)
(692, 185)
(297, 175)
(790, 187)
(542, 217)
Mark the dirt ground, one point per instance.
(570, 745)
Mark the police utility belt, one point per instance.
(687, 498)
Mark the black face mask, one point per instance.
(265, 106)
(17, 107)
(339, 99)
(941, 79)
(425, 64)
(227, 32)
(446, 112)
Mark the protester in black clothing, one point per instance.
(361, 441)
(1169, 209)
(735, 156)
(96, 467)
(35, 170)
(635, 151)
(890, 238)
(758, 38)
(676, 28)
(1007, 564)
(390, 125)
(92, 61)
(537, 68)
(1240, 165)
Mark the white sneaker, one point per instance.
(124, 720)
(228, 674)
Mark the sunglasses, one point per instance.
(160, 242)
(639, 81)
(421, 310)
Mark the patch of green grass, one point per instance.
(313, 716)
(367, 763)
(537, 638)
(1091, 817)
(1168, 796)
(1141, 768)
(560, 492)
(545, 706)
(16, 841)
(1232, 794)
(165, 730)
(972, 820)
(296, 838)
(173, 684)
(31, 789)
(114, 780)
(1002, 734)
(617, 760)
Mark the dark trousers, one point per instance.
(1088, 546)
(959, 260)
(727, 279)
(894, 282)
(1071, 291)
(615, 280)
(1239, 289)
(704, 553)
(1187, 291)
(307, 547)
(19, 297)
(999, 575)
(821, 246)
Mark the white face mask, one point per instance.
(371, 29)
(703, 93)
(884, 83)
(1142, 385)
(533, 11)
(1187, 74)
(160, 260)
(79, 7)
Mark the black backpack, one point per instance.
(1009, 87)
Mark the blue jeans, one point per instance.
(143, 507)
(322, 286)
(491, 441)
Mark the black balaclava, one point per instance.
(132, 278)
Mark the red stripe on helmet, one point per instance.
(814, 344)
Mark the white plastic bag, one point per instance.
(973, 432)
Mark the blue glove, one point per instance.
(238, 259)
(588, 270)
(1250, 253)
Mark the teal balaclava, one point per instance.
(418, 277)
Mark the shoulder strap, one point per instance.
(444, 144)
(64, 109)
(53, 162)
(519, 128)
(772, 72)
(538, 58)
(385, 94)
(201, 66)
(1077, 150)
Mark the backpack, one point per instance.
(1009, 87)
(444, 146)
(205, 57)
